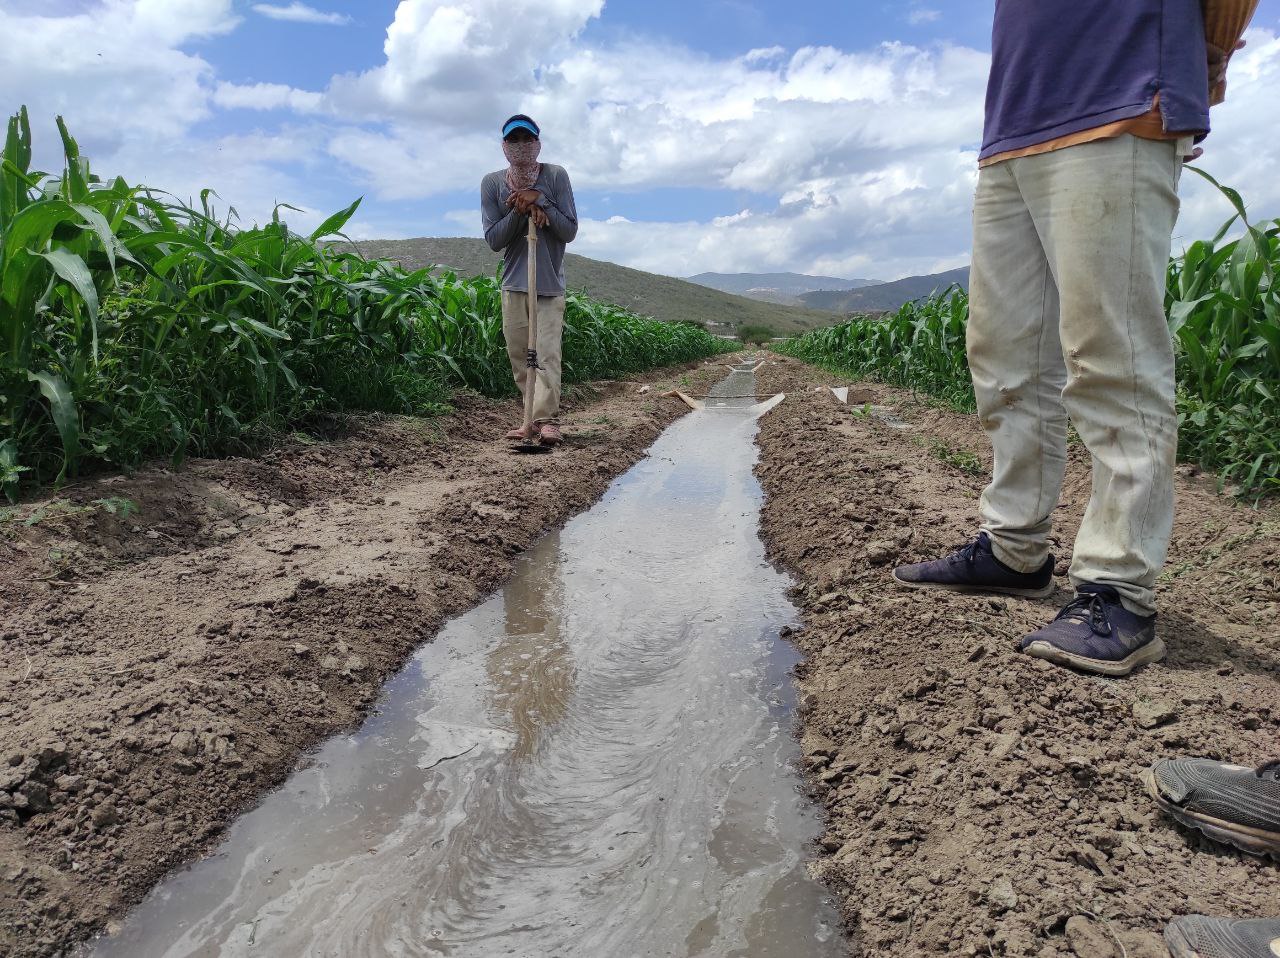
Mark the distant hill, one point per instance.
(785, 288)
(885, 296)
(664, 297)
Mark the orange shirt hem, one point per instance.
(1148, 126)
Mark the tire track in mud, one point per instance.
(981, 802)
(149, 698)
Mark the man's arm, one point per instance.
(501, 225)
(562, 212)
(1224, 24)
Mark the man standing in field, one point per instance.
(1092, 107)
(508, 199)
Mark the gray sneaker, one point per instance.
(1228, 803)
(1199, 937)
(1095, 633)
(975, 568)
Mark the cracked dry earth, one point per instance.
(981, 802)
(160, 670)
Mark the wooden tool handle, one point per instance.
(531, 361)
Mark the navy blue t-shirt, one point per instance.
(1062, 66)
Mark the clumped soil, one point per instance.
(173, 643)
(981, 802)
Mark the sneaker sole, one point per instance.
(1153, 651)
(1255, 841)
(1178, 945)
(1041, 593)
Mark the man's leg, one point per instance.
(515, 330)
(546, 400)
(1016, 363)
(1015, 359)
(1107, 211)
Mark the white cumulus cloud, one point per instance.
(836, 161)
(867, 154)
(116, 70)
(453, 61)
(300, 13)
(266, 96)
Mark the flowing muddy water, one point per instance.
(595, 762)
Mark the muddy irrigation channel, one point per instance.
(597, 760)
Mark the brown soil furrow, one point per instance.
(981, 802)
(189, 655)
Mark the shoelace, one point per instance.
(1271, 768)
(1088, 607)
(968, 554)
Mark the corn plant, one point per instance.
(1224, 312)
(920, 347)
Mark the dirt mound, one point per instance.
(165, 662)
(982, 802)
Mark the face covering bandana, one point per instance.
(522, 174)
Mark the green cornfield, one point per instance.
(1223, 307)
(920, 347)
(1223, 304)
(133, 325)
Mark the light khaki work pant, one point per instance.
(515, 328)
(1070, 251)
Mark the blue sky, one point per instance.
(720, 28)
(831, 137)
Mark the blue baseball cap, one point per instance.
(520, 122)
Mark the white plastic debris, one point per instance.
(760, 408)
(443, 741)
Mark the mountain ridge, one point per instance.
(783, 288)
(663, 297)
(885, 297)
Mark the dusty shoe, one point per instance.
(975, 568)
(1199, 937)
(519, 434)
(1095, 633)
(1228, 803)
(550, 434)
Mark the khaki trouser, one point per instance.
(1070, 251)
(515, 328)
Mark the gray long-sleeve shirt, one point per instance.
(505, 230)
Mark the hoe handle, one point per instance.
(531, 380)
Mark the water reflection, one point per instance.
(531, 670)
(595, 762)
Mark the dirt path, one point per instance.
(160, 670)
(982, 802)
